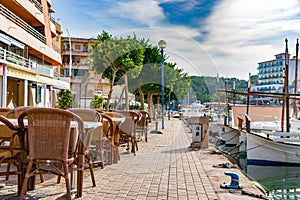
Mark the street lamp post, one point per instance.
(162, 44)
(70, 61)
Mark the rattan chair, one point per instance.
(108, 130)
(91, 116)
(142, 124)
(128, 129)
(117, 120)
(4, 110)
(11, 147)
(48, 138)
(14, 114)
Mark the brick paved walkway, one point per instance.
(163, 168)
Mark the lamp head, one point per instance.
(162, 44)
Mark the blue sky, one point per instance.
(204, 37)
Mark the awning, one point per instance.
(10, 41)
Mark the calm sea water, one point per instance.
(279, 182)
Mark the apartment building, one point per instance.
(29, 54)
(271, 74)
(84, 82)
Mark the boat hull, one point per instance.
(264, 151)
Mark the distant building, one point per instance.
(271, 74)
(84, 82)
(29, 54)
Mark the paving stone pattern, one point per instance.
(163, 168)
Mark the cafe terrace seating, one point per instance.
(127, 130)
(142, 124)
(90, 116)
(14, 114)
(48, 136)
(10, 148)
(107, 144)
(117, 119)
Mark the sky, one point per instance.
(204, 37)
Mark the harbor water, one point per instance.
(277, 182)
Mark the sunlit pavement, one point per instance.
(163, 168)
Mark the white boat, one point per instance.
(273, 148)
(270, 146)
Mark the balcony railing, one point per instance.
(10, 57)
(55, 48)
(37, 5)
(22, 24)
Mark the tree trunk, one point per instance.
(150, 106)
(141, 98)
(110, 91)
(126, 91)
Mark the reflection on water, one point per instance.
(280, 182)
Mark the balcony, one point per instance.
(76, 52)
(22, 24)
(24, 64)
(19, 29)
(37, 5)
(12, 58)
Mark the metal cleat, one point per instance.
(234, 184)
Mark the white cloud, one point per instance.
(145, 12)
(239, 30)
(238, 33)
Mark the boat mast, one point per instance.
(286, 87)
(248, 97)
(296, 80)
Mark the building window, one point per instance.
(85, 48)
(77, 47)
(39, 94)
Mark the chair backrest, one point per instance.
(14, 113)
(107, 125)
(89, 115)
(4, 110)
(144, 118)
(131, 118)
(7, 131)
(48, 132)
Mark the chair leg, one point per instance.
(88, 157)
(101, 154)
(19, 167)
(7, 170)
(67, 180)
(58, 179)
(25, 182)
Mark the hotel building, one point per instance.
(271, 74)
(29, 54)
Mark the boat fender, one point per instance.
(234, 184)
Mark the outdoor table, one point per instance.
(80, 153)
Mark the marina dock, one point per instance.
(163, 168)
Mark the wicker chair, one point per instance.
(115, 137)
(10, 148)
(108, 130)
(142, 124)
(128, 129)
(48, 138)
(14, 114)
(4, 110)
(91, 116)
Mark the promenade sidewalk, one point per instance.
(163, 168)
